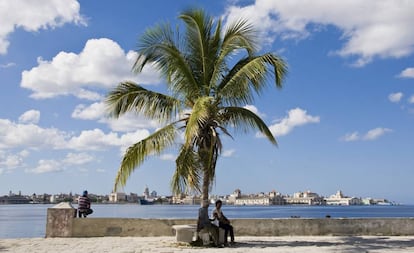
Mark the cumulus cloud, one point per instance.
(30, 136)
(407, 73)
(83, 74)
(371, 135)
(35, 15)
(96, 139)
(78, 158)
(92, 112)
(395, 97)
(14, 135)
(128, 122)
(9, 161)
(46, 166)
(296, 117)
(31, 116)
(384, 31)
(71, 159)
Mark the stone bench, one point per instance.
(185, 233)
(188, 233)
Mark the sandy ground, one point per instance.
(308, 244)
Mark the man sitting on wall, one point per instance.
(84, 205)
(204, 222)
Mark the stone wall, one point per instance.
(62, 223)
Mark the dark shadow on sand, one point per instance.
(351, 243)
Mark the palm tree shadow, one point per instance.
(270, 244)
(352, 243)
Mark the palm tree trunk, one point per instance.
(206, 185)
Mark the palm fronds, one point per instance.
(128, 96)
(136, 154)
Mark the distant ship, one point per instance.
(145, 201)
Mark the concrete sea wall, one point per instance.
(61, 222)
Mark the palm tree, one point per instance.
(207, 95)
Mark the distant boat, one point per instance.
(145, 201)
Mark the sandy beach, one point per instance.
(308, 244)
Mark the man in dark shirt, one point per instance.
(84, 205)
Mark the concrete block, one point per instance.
(184, 233)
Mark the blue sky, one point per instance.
(344, 119)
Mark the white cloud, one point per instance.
(128, 122)
(228, 152)
(255, 110)
(46, 166)
(370, 28)
(78, 158)
(35, 15)
(407, 73)
(296, 117)
(371, 135)
(10, 161)
(91, 112)
(31, 136)
(375, 133)
(168, 157)
(96, 139)
(7, 65)
(14, 135)
(395, 97)
(82, 74)
(31, 116)
(351, 137)
(411, 100)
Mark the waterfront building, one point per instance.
(116, 197)
(341, 200)
(14, 199)
(305, 198)
(133, 198)
(272, 198)
(251, 200)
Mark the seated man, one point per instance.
(84, 205)
(224, 223)
(204, 222)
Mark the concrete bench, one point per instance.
(185, 233)
(188, 233)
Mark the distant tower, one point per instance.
(237, 193)
(153, 194)
(339, 194)
(146, 193)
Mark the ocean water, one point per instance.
(22, 221)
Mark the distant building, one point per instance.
(262, 199)
(340, 200)
(116, 197)
(14, 199)
(305, 198)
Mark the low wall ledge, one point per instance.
(63, 205)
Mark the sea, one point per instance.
(29, 220)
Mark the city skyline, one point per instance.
(343, 120)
